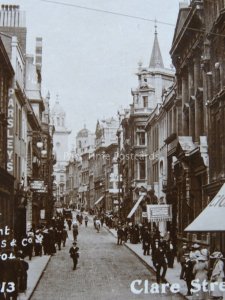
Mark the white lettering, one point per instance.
(9, 166)
(175, 288)
(10, 144)
(196, 286)
(154, 288)
(10, 123)
(222, 286)
(164, 286)
(10, 113)
(133, 289)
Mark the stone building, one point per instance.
(6, 128)
(61, 148)
(187, 143)
(151, 83)
(105, 135)
(85, 146)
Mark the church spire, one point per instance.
(156, 57)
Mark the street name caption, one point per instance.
(139, 286)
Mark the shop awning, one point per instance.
(212, 217)
(99, 200)
(135, 206)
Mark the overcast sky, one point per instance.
(90, 58)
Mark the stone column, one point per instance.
(185, 128)
(196, 68)
(192, 118)
(198, 112)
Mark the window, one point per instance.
(142, 171)
(155, 172)
(145, 101)
(58, 121)
(141, 138)
(20, 124)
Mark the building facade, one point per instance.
(61, 148)
(140, 171)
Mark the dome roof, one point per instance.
(57, 109)
(83, 133)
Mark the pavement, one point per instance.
(172, 274)
(36, 269)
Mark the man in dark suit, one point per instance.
(74, 254)
(160, 263)
(146, 241)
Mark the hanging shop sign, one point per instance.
(37, 185)
(157, 212)
(10, 131)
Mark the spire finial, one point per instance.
(155, 26)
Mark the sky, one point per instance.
(90, 58)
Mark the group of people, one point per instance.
(13, 276)
(197, 263)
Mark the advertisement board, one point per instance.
(159, 212)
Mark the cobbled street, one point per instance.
(105, 271)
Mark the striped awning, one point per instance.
(135, 206)
(99, 200)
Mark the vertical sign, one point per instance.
(10, 132)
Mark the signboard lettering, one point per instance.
(10, 132)
(158, 213)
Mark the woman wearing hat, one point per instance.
(200, 271)
(217, 274)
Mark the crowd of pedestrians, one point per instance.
(195, 260)
(39, 240)
(197, 263)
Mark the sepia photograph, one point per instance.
(112, 149)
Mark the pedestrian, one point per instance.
(30, 244)
(74, 254)
(59, 238)
(69, 223)
(45, 242)
(86, 220)
(64, 236)
(155, 246)
(170, 253)
(160, 263)
(120, 235)
(23, 273)
(13, 269)
(217, 274)
(102, 220)
(146, 241)
(181, 258)
(200, 271)
(195, 251)
(97, 225)
(188, 275)
(38, 243)
(75, 231)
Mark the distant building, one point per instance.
(61, 148)
(105, 139)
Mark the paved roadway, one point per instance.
(105, 271)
